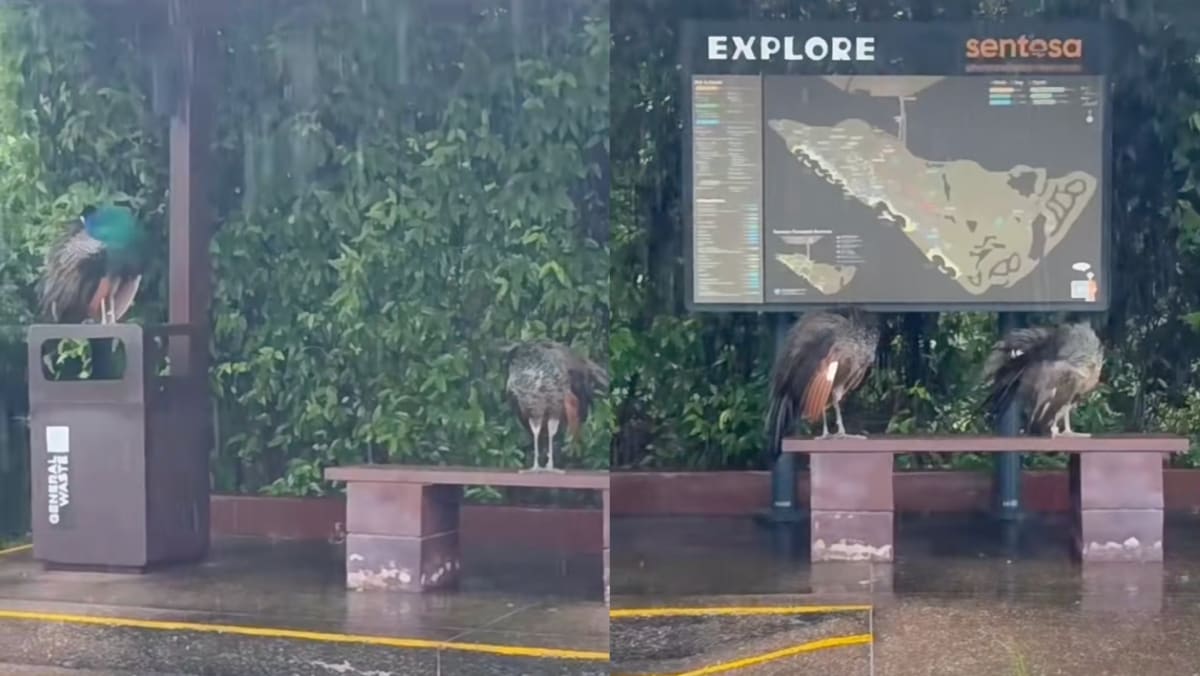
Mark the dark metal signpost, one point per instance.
(784, 509)
(1008, 465)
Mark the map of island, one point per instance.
(983, 228)
(824, 277)
(900, 190)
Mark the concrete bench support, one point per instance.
(1120, 506)
(402, 521)
(401, 536)
(1116, 489)
(852, 507)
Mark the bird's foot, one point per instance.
(541, 470)
(1071, 433)
(841, 435)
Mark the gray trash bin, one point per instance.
(119, 467)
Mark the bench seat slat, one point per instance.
(469, 476)
(1108, 443)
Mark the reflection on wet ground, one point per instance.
(965, 596)
(506, 599)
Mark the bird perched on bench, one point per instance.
(549, 384)
(825, 357)
(94, 269)
(1046, 370)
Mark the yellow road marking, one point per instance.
(623, 613)
(823, 644)
(325, 637)
(14, 550)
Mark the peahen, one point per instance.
(549, 384)
(1047, 370)
(94, 269)
(826, 357)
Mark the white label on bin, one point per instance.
(58, 452)
(58, 439)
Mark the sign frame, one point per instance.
(891, 58)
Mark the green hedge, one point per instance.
(400, 191)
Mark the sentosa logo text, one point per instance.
(789, 48)
(1024, 47)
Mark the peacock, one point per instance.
(549, 384)
(94, 269)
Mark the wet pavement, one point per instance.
(144, 652)
(964, 597)
(677, 645)
(539, 604)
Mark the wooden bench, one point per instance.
(402, 520)
(1116, 490)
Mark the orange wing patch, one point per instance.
(102, 290)
(571, 408)
(123, 295)
(816, 394)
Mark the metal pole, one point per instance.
(783, 483)
(1008, 465)
(783, 474)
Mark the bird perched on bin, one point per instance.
(94, 268)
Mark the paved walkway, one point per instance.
(258, 608)
(961, 599)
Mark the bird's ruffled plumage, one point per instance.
(1044, 370)
(821, 344)
(73, 268)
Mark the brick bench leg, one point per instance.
(852, 507)
(1120, 502)
(401, 536)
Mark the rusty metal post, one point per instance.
(190, 227)
(189, 213)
